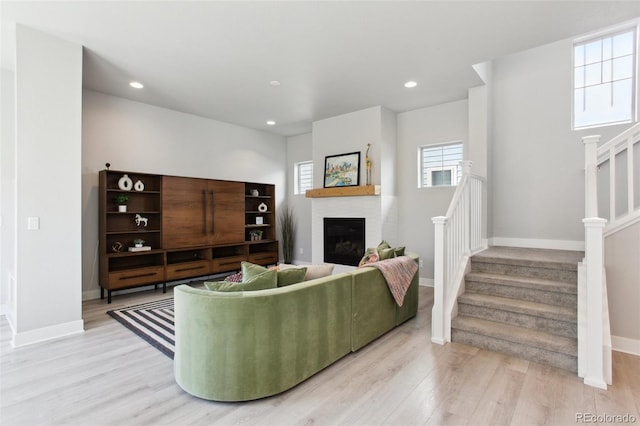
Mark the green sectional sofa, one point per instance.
(248, 345)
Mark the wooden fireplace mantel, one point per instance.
(344, 191)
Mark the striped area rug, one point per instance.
(151, 321)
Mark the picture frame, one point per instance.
(342, 170)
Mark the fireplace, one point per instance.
(344, 240)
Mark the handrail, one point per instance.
(622, 137)
(457, 236)
(595, 157)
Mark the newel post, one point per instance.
(437, 313)
(591, 174)
(594, 259)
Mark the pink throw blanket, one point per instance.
(398, 272)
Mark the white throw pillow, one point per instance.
(313, 271)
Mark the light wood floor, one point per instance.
(108, 376)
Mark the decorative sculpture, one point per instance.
(368, 164)
(140, 220)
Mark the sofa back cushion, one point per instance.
(291, 276)
(265, 280)
(313, 271)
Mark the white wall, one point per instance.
(416, 206)
(7, 191)
(299, 149)
(537, 160)
(48, 178)
(139, 137)
(622, 251)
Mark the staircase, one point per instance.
(523, 303)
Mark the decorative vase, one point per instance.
(125, 183)
(139, 186)
(122, 208)
(255, 192)
(262, 208)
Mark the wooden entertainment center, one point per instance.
(191, 227)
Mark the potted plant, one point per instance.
(288, 228)
(121, 200)
(138, 242)
(255, 235)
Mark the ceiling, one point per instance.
(217, 59)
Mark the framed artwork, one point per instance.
(342, 170)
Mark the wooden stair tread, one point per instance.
(523, 282)
(542, 258)
(543, 310)
(520, 335)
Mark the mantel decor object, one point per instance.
(367, 161)
(342, 170)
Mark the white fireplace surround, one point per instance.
(379, 222)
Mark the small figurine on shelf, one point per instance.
(141, 220)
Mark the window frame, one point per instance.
(296, 177)
(456, 169)
(633, 27)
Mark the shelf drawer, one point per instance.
(264, 258)
(176, 271)
(227, 263)
(134, 277)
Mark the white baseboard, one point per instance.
(535, 243)
(47, 333)
(628, 346)
(427, 282)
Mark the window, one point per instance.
(303, 177)
(604, 80)
(440, 165)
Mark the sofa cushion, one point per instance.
(313, 271)
(386, 253)
(285, 276)
(250, 270)
(263, 281)
(369, 258)
(291, 276)
(399, 251)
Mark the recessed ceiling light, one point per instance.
(274, 83)
(271, 123)
(410, 84)
(136, 85)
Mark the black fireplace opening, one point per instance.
(344, 240)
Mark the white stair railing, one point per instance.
(457, 236)
(594, 334)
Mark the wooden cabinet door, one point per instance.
(227, 212)
(185, 212)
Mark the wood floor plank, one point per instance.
(109, 376)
